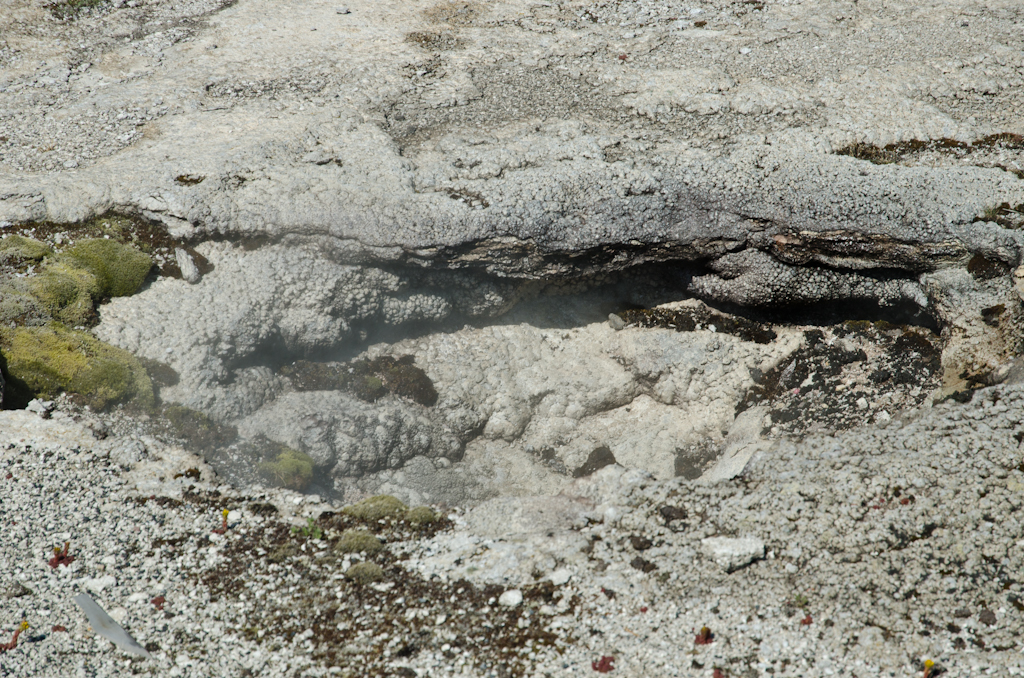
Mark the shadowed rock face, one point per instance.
(400, 172)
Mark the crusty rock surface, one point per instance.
(466, 136)
(362, 175)
(476, 185)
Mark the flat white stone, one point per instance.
(733, 553)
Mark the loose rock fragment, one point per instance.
(511, 598)
(733, 553)
(189, 270)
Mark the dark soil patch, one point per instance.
(892, 153)
(151, 238)
(831, 383)
(368, 380)
(371, 629)
(690, 319)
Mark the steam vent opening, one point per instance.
(511, 338)
(440, 378)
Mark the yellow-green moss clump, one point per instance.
(365, 573)
(46, 361)
(69, 285)
(24, 249)
(66, 292)
(119, 269)
(358, 541)
(291, 469)
(376, 508)
(421, 515)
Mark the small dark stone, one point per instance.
(880, 376)
(987, 617)
(17, 590)
(952, 628)
(262, 509)
(990, 315)
(598, 459)
(670, 513)
(962, 613)
(640, 543)
(982, 268)
(643, 565)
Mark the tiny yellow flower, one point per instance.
(24, 626)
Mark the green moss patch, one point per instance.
(24, 249)
(119, 269)
(421, 515)
(368, 380)
(376, 508)
(46, 361)
(67, 286)
(365, 573)
(358, 541)
(291, 469)
(67, 293)
(150, 238)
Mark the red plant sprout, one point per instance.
(705, 637)
(158, 602)
(717, 673)
(224, 527)
(59, 629)
(806, 621)
(61, 557)
(4, 647)
(604, 665)
(643, 609)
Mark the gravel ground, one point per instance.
(864, 554)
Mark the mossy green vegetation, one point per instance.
(291, 469)
(376, 508)
(358, 541)
(119, 269)
(421, 515)
(17, 304)
(310, 530)
(24, 249)
(66, 292)
(365, 573)
(46, 361)
(68, 285)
